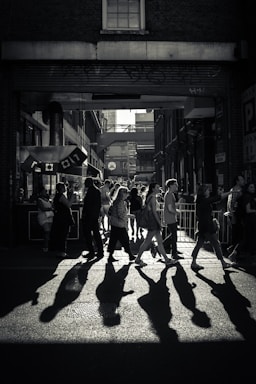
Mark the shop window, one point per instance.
(123, 15)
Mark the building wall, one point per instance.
(168, 20)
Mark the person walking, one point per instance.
(90, 218)
(170, 218)
(207, 230)
(154, 227)
(45, 216)
(62, 221)
(105, 204)
(249, 220)
(119, 224)
(135, 202)
(233, 215)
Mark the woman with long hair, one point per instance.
(154, 227)
(119, 224)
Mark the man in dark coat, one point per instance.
(90, 218)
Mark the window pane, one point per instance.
(112, 21)
(123, 6)
(112, 5)
(123, 14)
(134, 21)
(134, 6)
(123, 21)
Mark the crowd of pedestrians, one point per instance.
(110, 211)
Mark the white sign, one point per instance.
(111, 165)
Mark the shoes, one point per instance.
(230, 248)
(140, 263)
(177, 257)
(153, 250)
(171, 262)
(111, 259)
(228, 265)
(89, 255)
(196, 267)
(61, 255)
(232, 256)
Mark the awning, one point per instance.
(93, 171)
(52, 159)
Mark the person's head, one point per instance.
(203, 191)
(239, 181)
(172, 184)
(134, 191)
(153, 188)
(88, 182)
(43, 192)
(107, 182)
(122, 193)
(250, 188)
(61, 188)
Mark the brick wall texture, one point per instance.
(81, 20)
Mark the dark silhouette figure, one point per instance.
(235, 304)
(156, 303)
(187, 298)
(69, 289)
(110, 293)
(90, 218)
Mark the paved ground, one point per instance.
(77, 320)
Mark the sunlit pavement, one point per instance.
(121, 322)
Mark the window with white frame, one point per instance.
(123, 15)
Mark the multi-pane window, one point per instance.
(123, 15)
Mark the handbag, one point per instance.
(143, 217)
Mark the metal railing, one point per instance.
(187, 224)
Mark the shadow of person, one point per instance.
(187, 298)
(156, 303)
(235, 304)
(19, 285)
(110, 292)
(69, 289)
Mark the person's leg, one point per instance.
(97, 238)
(125, 242)
(144, 246)
(112, 243)
(199, 243)
(87, 230)
(161, 249)
(167, 243)
(214, 241)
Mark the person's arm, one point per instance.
(171, 204)
(67, 202)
